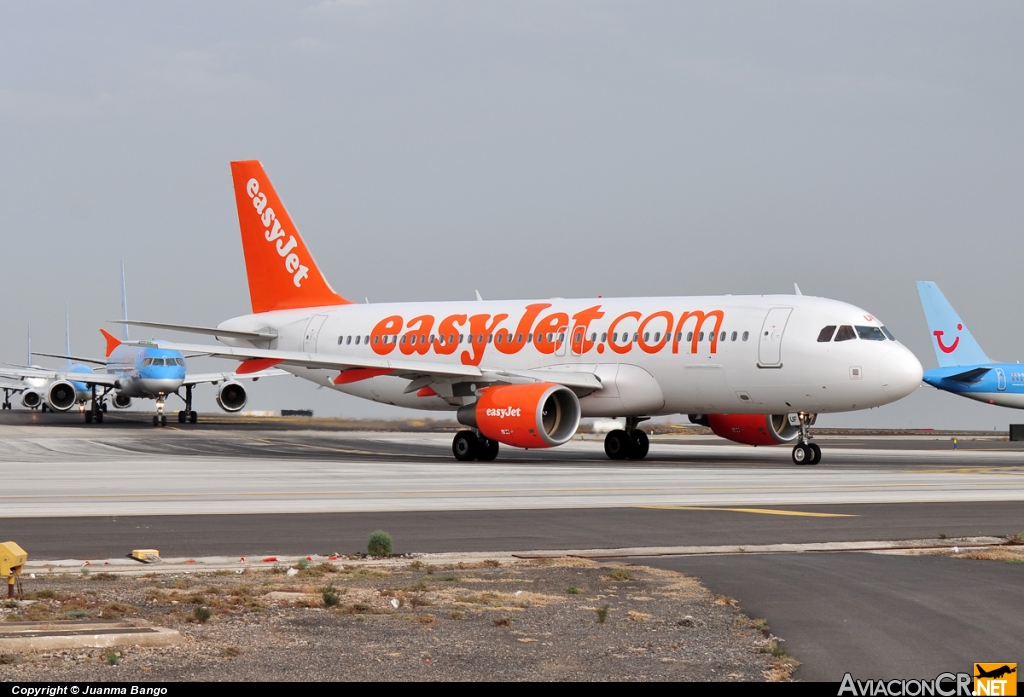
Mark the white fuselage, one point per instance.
(653, 355)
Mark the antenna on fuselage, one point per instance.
(478, 296)
(124, 304)
(797, 289)
(28, 361)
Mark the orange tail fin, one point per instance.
(282, 273)
(112, 341)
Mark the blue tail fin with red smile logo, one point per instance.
(952, 340)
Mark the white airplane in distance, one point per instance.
(128, 371)
(756, 369)
(42, 389)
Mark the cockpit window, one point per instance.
(845, 333)
(870, 333)
(147, 361)
(825, 334)
(888, 334)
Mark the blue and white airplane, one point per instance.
(133, 371)
(41, 392)
(964, 369)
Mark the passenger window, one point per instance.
(367, 339)
(376, 340)
(593, 336)
(412, 341)
(340, 339)
(615, 337)
(499, 339)
(357, 340)
(604, 337)
(700, 337)
(647, 336)
(431, 339)
(519, 338)
(845, 333)
(870, 333)
(722, 337)
(734, 336)
(461, 337)
(825, 335)
(529, 338)
(746, 335)
(689, 336)
(561, 336)
(636, 337)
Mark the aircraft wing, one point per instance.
(355, 368)
(18, 373)
(202, 378)
(80, 359)
(969, 375)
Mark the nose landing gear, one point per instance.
(805, 452)
(160, 419)
(631, 443)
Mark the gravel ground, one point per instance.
(567, 619)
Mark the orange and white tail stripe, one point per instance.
(282, 273)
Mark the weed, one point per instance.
(76, 614)
(602, 614)
(179, 582)
(760, 625)
(104, 576)
(416, 565)
(113, 658)
(1017, 539)
(502, 622)
(449, 577)
(85, 571)
(380, 544)
(620, 575)
(364, 572)
(202, 614)
(302, 565)
(116, 610)
(330, 598)
(572, 590)
(231, 652)
(725, 600)
(44, 594)
(9, 659)
(456, 615)
(425, 618)
(491, 562)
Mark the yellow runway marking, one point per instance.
(766, 511)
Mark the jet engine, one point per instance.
(121, 401)
(61, 396)
(750, 429)
(231, 396)
(31, 399)
(537, 415)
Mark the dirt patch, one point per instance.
(543, 620)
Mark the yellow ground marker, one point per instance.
(766, 511)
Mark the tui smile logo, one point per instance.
(952, 347)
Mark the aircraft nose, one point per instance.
(901, 372)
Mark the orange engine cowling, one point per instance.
(752, 429)
(537, 415)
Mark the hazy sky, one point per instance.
(525, 149)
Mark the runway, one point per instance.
(252, 488)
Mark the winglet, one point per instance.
(281, 271)
(112, 341)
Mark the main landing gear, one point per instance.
(7, 398)
(94, 411)
(470, 445)
(628, 444)
(188, 415)
(805, 452)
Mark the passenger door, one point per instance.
(313, 333)
(769, 346)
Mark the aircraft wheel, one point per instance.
(641, 445)
(815, 454)
(193, 417)
(163, 419)
(464, 446)
(156, 420)
(99, 417)
(616, 444)
(486, 450)
(103, 407)
(802, 455)
(181, 417)
(88, 417)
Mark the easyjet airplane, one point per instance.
(755, 369)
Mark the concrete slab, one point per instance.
(34, 637)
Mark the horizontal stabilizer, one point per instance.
(969, 376)
(191, 329)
